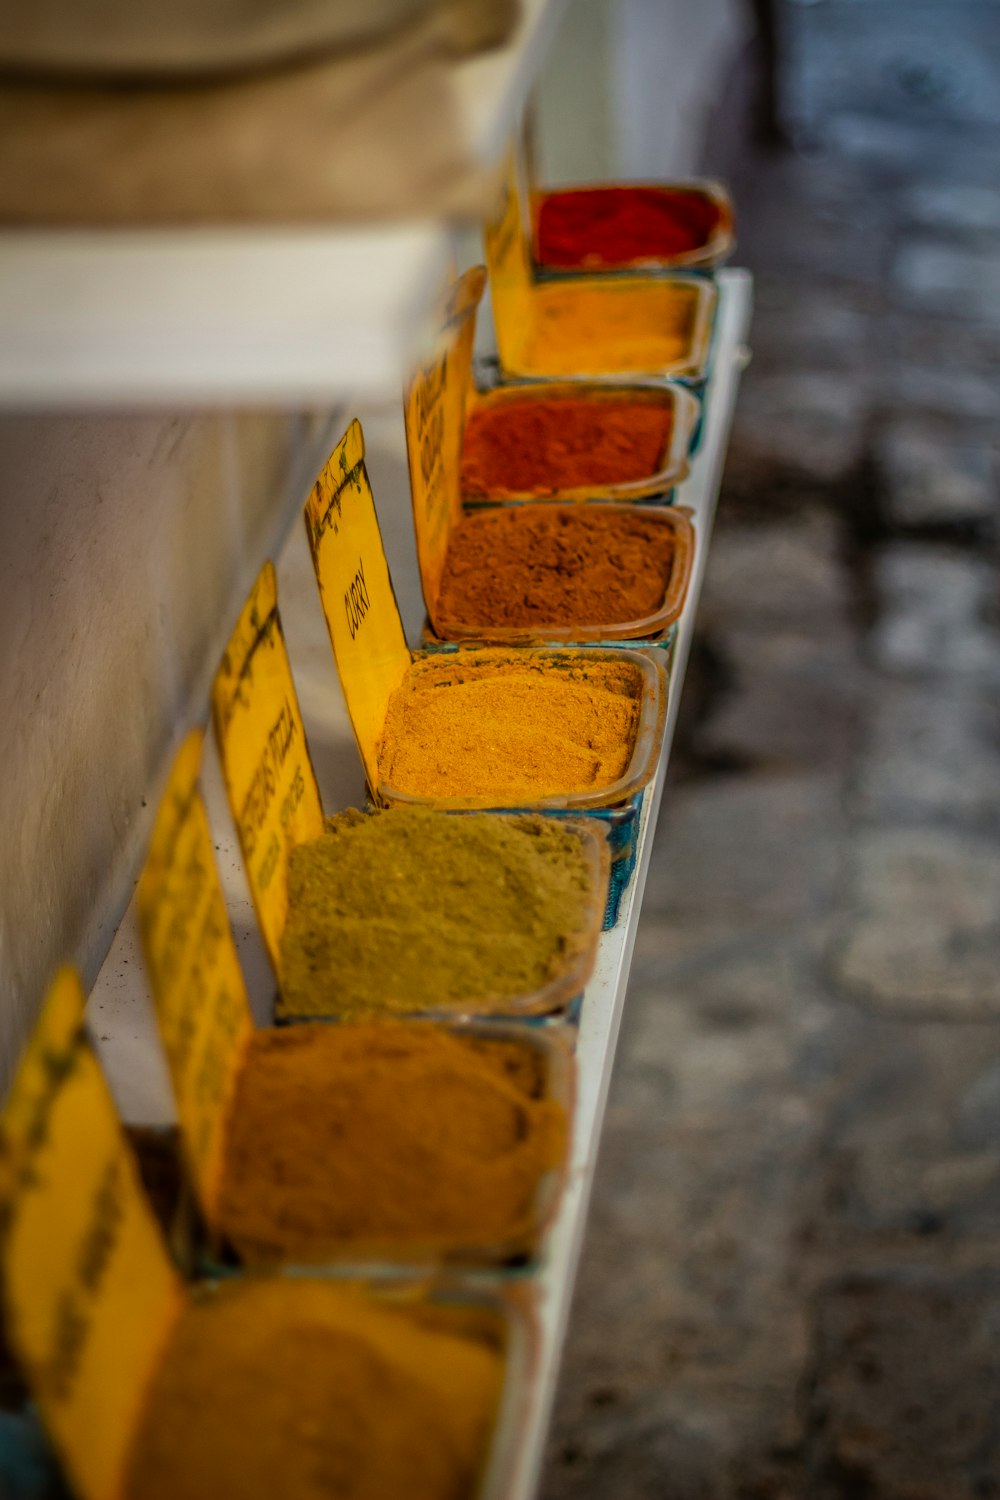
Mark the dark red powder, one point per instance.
(542, 447)
(602, 227)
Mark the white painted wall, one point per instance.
(630, 86)
(126, 546)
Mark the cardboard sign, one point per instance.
(198, 988)
(362, 615)
(508, 256)
(89, 1293)
(265, 759)
(434, 406)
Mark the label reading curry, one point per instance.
(198, 988)
(265, 759)
(361, 612)
(89, 1293)
(435, 422)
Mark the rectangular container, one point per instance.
(649, 628)
(517, 1254)
(671, 467)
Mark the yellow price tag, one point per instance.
(265, 759)
(198, 987)
(361, 612)
(89, 1293)
(435, 421)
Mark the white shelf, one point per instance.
(120, 1011)
(265, 316)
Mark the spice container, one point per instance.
(619, 325)
(549, 441)
(400, 913)
(632, 226)
(516, 575)
(444, 1365)
(502, 1146)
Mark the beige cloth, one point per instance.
(370, 135)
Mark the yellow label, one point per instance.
(361, 612)
(508, 257)
(89, 1293)
(265, 759)
(435, 421)
(198, 988)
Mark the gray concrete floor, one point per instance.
(791, 1282)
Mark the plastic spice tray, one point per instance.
(518, 1253)
(649, 628)
(672, 463)
(715, 244)
(553, 996)
(646, 748)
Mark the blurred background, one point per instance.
(791, 1282)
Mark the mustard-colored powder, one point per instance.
(386, 1135)
(607, 328)
(296, 1389)
(492, 724)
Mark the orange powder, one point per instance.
(303, 1389)
(499, 725)
(383, 1134)
(607, 327)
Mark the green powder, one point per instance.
(408, 910)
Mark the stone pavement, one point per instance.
(791, 1282)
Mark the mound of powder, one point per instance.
(614, 226)
(307, 1389)
(498, 725)
(538, 447)
(555, 565)
(408, 910)
(385, 1133)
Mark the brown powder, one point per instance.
(386, 1134)
(306, 1389)
(555, 565)
(504, 726)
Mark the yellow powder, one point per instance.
(296, 1389)
(492, 724)
(609, 328)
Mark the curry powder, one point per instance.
(555, 565)
(387, 1135)
(407, 910)
(503, 726)
(306, 1389)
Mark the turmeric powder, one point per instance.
(306, 1389)
(409, 910)
(510, 727)
(608, 327)
(387, 1136)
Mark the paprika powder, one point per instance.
(539, 447)
(599, 228)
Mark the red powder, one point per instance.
(613, 226)
(542, 447)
